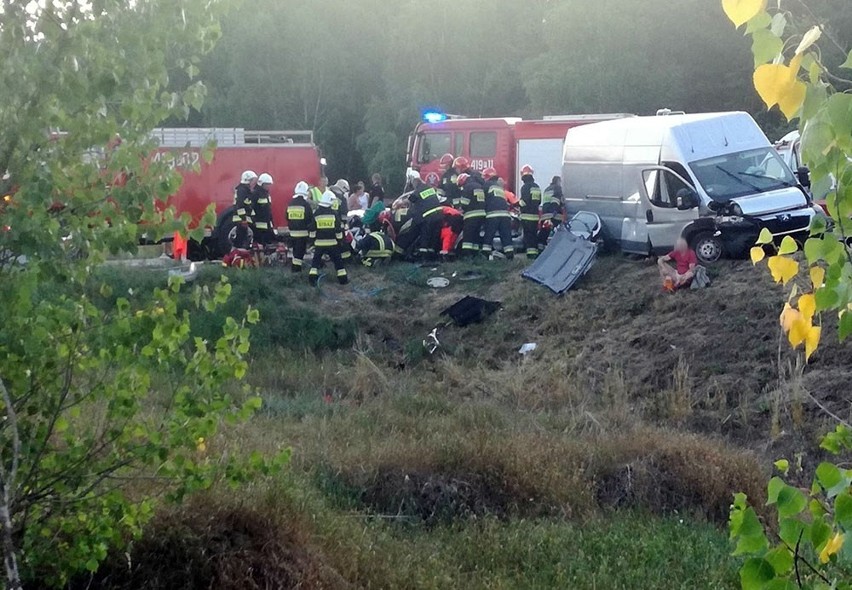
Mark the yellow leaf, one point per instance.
(817, 276)
(757, 254)
(789, 316)
(742, 11)
(833, 546)
(799, 331)
(812, 341)
(783, 269)
(779, 84)
(807, 306)
(201, 445)
(788, 246)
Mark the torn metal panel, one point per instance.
(565, 260)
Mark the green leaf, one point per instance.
(831, 479)
(776, 484)
(791, 502)
(781, 559)
(843, 511)
(788, 246)
(765, 237)
(750, 535)
(755, 573)
(761, 21)
(845, 325)
(848, 63)
(779, 24)
(766, 46)
(782, 465)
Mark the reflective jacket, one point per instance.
(262, 209)
(450, 187)
(473, 199)
(300, 217)
(495, 200)
(424, 203)
(376, 245)
(243, 203)
(551, 202)
(326, 230)
(530, 201)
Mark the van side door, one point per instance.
(671, 203)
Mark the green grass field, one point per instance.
(607, 459)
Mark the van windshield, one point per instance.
(743, 173)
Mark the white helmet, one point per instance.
(264, 179)
(302, 189)
(343, 185)
(248, 176)
(412, 174)
(327, 199)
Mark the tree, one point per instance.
(793, 51)
(103, 409)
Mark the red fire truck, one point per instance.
(505, 144)
(289, 156)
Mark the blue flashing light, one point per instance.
(434, 117)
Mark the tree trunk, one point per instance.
(10, 560)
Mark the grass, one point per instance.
(607, 459)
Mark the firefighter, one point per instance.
(426, 213)
(375, 248)
(530, 204)
(316, 192)
(264, 225)
(300, 218)
(449, 187)
(327, 232)
(340, 189)
(422, 226)
(497, 221)
(473, 205)
(241, 236)
(462, 166)
(551, 209)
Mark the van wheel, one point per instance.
(708, 248)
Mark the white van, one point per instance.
(654, 179)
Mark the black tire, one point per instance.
(708, 247)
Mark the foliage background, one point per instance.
(358, 73)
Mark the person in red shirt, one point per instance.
(681, 274)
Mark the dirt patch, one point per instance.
(216, 546)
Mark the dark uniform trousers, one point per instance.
(498, 224)
(327, 235)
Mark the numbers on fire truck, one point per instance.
(179, 160)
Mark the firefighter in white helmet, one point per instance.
(264, 224)
(243, 201)
(327, 232)
(300, 220)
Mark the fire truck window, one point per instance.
(433, 146)
(483, 145)
(459, 144)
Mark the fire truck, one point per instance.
(505, 144)
(289, 156)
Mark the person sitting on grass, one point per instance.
(680, 276)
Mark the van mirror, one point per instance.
(687, 199)
(804, 175)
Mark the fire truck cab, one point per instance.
(289, 156)
(505, 144)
